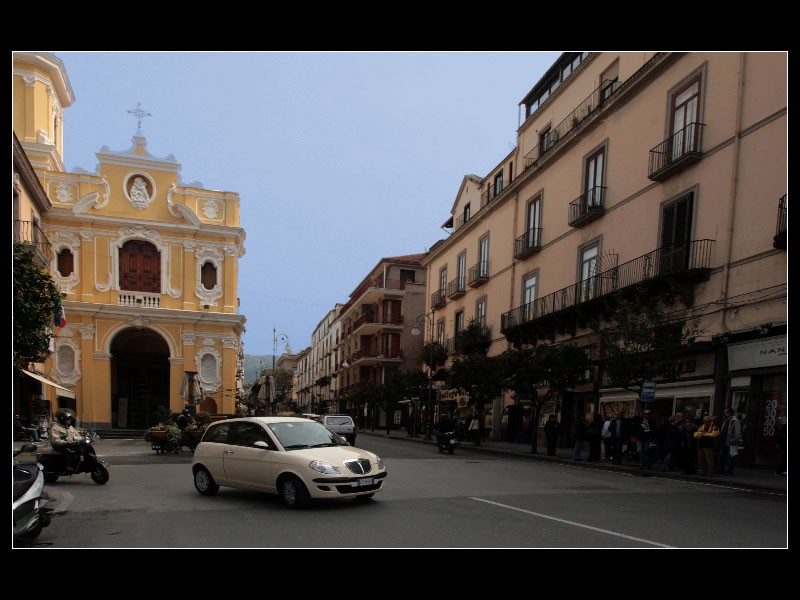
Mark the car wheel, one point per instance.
(294, 493)
(204, 482)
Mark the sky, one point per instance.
(339, 158)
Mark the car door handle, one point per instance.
(229, 452)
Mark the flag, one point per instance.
(60, 319)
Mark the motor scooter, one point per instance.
(77, 457)
(447, 441)
(31, 510)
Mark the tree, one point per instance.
(639, 339)
(284, 383)
(36, 301)
(554, 368)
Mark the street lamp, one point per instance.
(275, 337)
(416, 331)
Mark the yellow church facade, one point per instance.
(147, 266)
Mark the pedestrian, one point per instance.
(606, 436)
(620, 432)
(594, 434)
(21, 426)
(688, 450)
(645, 435)
(475, 430)
(552, 429)
(184, 419)
(730, 435)
(578, 435)
(672, 443)
(705, 436)
(487, 426)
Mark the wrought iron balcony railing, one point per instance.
(478, 274)
(668, 260)
(676, 152)
(528, 243)
(30, 234)
(588, 206)
(457, 287)
(438, 299)
(495, 189)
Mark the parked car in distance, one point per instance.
(299, 459)
(341, 424)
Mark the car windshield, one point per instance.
(297, 435)
(339, 421)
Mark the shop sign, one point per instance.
(648, 391)
(759, 353)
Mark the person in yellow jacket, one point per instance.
(706, 436)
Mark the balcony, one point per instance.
(779, 241)
(438, 299)
(372, 322)
(675, 267)
(456, 288)
(479, 274)
(371, 291)
(676, 152)
(587, 207)
(371, 355)
(528, 243)
(461, 343)
(31, 235)
(494, 190)
(574, 120)
(139, 299)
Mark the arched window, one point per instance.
(66, 262)
(208, 275)
(139, 267)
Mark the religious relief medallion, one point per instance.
(63, 193)
(140, 190)
(210, 209)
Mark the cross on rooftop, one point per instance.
(140, 114)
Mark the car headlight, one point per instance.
(380, 462)
(322, 467)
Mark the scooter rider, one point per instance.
(63, 437)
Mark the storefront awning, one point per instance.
(60, 389)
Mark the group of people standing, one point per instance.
(680, 443)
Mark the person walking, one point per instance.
(730, 435)
(645, 434)
(594, 434)
(620, 433)
(688, 450)
(578, 435)
(706, 436)
(606, 436)
(552, 429)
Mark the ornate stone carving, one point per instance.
(188, 338)
(63, 192)
(87, 332)
(63, 372)
(210, 209)
(140, 189)
(139, 322)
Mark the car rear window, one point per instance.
(339, 421)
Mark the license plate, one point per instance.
(366, 481)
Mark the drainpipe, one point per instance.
(732, 205)
(721, 356)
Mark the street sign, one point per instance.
(648, 391)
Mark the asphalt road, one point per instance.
(429, 500)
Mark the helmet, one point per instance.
(62, 416)
(187, 412)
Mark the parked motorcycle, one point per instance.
(447, 441)
(31, 512)
(78, 457)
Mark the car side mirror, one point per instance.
(262, 445)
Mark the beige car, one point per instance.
(299, 459)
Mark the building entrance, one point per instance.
(139, 378)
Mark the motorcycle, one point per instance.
(31, 512)
(78, 457)
(447, 441)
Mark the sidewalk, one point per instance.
(760, 479)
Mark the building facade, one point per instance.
(147, 266)
(664, 170)
(375, 324)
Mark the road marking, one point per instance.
(606, 531)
